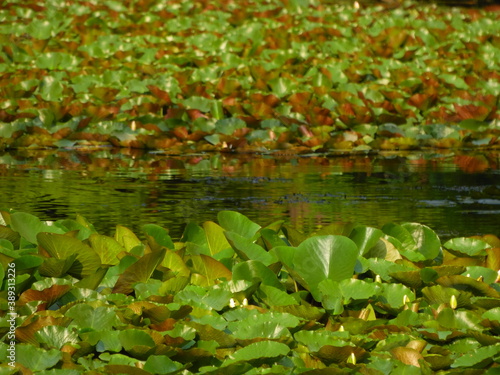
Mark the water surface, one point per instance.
(457, 194)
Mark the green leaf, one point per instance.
(133, 337)
(28, 226)
(96, 318)
(418, 241)
(477, 356)
(492, 314)
(51, 89)
(258, 350)
(235, 222)
(281, 86)
(314, 340)
(468, 246)
(460, 320)
(56, 336)
(209, 270)
(319, 258)
(256, 272)
(56, 60)
(161, 364)
(107, 248)
(269, 330)
(27, 262)
(159, 234)
(455, 80)
(37, 359)
(247, 249)
(228, 126)
(61, 247)
(215, 237)
(198, 102)
(272, 296)
(394, 295)
(140, 271)
(365, 238)
(126, 238)
(358, 289)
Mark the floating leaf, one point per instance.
(235, 222)
(468, 246)
(319, 258)
(126, 238)
(133, 337)
(215, 237)
(210, 269)
(479, 358)
(465, 283)
(365, 238)
(259, 350)
(256, 272)
(416, 239)
(99, 318)
(161, 364)
(159, 235)
(37, 359)
(28, 226)
(61, 247)
(248, 250)
(56, 336)
(106, 247)
(396, 295)
(140, 271)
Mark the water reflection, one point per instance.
(456, 194)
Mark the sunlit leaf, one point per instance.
(99, 318)
(468, 246)
(235, 222)
(210, 269)
(37, 359)
(61, 247)
(28, 226)
(140, 271)
(56, 336)
(256, 272)
(106, 247)
(259, 350)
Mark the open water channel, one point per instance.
(455, 193)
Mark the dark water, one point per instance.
(456, 194)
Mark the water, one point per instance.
(455, 194)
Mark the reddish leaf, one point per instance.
(422, 101)
(160, 94)
(471, 111)
(26, 333)
(48, 295)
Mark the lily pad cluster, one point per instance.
(248, 76)
(240, 298)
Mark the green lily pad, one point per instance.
(61, 247)
(161, 364)
(140, 271)
(259, 350)
(96, 318)
(233, 221)
(467, 246)
(319, 258)
(479, 358)
(37, 359)
(28, 226)
(256, 272)
(133, 337)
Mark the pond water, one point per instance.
(456, 194)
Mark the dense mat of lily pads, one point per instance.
(248, 75)
(236, 297)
